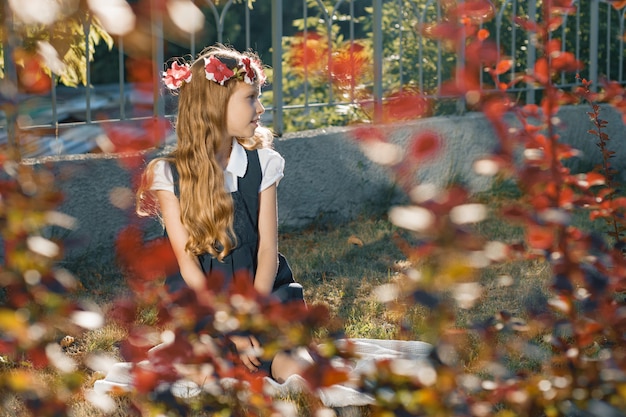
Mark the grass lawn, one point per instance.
(340, 267)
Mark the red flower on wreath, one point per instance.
(173, 78)
(216, 70)
(248, 72)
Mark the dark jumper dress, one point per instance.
(242, 258)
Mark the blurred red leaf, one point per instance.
(565, 61)
(618, 4)
(149, 261)
(566, 197)
(349, 65)
(553, 46)
(407, 104)
(309, 52)
(37, 357)
(253, 381)
(539, 237)
(467, 80)
(542, 70)
(45, 406)
(526, 24)
(148, 7)
(483, 34)
(592, 179)
(566, 152)
(137, 344)
(145, 380)
(323, 374)
(531, 110)
(503, 66)
(130, 137)
(495, 108)
(425, 146)
(31, 76)
(485, 52)
(369, 133)
(587, 331)
(316, 316)
(141, 73)
(164, 356)
(474, 11)
(242, 285)
(292, 312)
(443, 31)
(554, 23)
(549, 106)
(124, 311)
(562, 6)
(7, 346)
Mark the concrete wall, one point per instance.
(327, 177)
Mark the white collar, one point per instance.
(238, 161)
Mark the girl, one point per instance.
(216, 192)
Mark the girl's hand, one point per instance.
(247, 347)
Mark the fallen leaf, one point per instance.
(355, 241)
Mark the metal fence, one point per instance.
(399, 56)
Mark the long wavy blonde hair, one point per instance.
(206, 206)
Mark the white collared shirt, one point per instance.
(272, 166)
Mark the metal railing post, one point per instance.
(377, 27)
(87, 30)
(594, 27)
(9, 83)
(277, 66)
(158, 57)
(120, 69)
(460, 70)
(531, 56)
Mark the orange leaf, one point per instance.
(595, 178)
(542, 70)
(494, 109)
(566, 197)
(144, 380)
(369, 133)
(309, 52)
(32, 78)
(349, 65)
(483, 34)
(559, 7)
(553, 46)
(442, 31)
(587, 332)
(554, 23)
(405, 105)
(503, 66)
(566, 61)
(475, 11)
(540, 237)
(618, 4)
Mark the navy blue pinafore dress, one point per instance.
(242, 258)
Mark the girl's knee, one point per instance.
(285, 365)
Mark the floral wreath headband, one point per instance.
(217, 70)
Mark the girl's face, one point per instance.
(243, 111)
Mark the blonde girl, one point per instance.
(216, 192)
